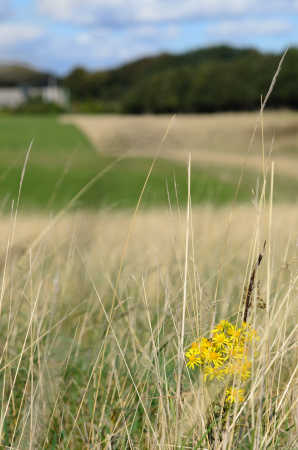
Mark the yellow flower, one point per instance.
(225, 354)
(234, 351)
(214, 372)
(240, 368)
(200, 346)
(212, 356)
(221, 326)
(252, 334)
(220, 339)
(234, 332)
(204, 342)
(193, 358)
(209, 372)
(249, 332)
(234, 395)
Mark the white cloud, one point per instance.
(21, 42)
(110, 32)
(100, 48)
(102, 45)
(232, 28)
(121, 12)
(13, 34)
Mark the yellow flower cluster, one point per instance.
(234, 395)
(226, 353)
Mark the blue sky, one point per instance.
(57, 35)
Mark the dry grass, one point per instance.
(97, 309)
(91, 328)
(220, 139)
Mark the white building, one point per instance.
(12, 97)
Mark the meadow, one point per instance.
(105, 286)
(67, 153)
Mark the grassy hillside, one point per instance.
(50, 137)
(63, 161)
(18, 74)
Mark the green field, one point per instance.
(63, 161)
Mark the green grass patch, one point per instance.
(48, 133)
(63, 161)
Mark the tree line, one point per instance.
(220, 78)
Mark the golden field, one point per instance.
(220, 140)
(92, 309)
(98, 308)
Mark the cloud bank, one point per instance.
(59, 34)
(130, 12)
